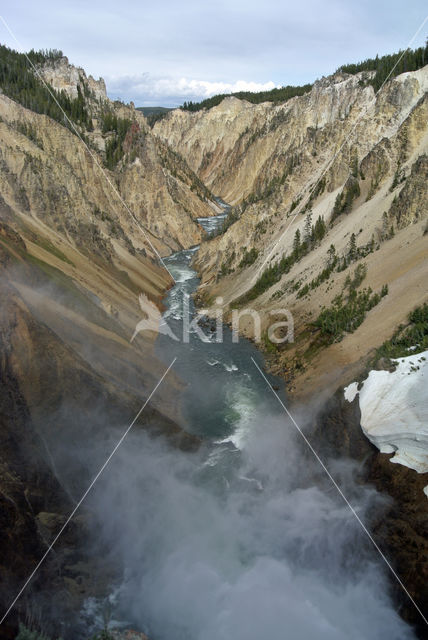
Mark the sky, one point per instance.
(165, 52)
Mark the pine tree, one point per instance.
(352, 253)
(332, 257)
(20, 83)
(384, 225)
(296, 244)
(337, 209)
(319, 229)
(307, 230)
(354, 164)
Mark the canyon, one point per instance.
(80, 241)
(276, 163)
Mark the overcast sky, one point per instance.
(162, 52)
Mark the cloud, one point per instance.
(283, 42)
(146, 89)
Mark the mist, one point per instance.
(244, 539)
(232, 544)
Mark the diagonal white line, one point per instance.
(93, 155)
(351, 131)
(60, 532)
(341, 493)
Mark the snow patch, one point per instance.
(351, 391)
(394, 411)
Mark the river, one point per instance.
(223, 386)
(246, 538)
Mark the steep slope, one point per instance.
(74, 258)
(401, 529)
(71, 382)
(88, 230)
(355, 159)
(45, 166)
(242, 150)
(330, 224)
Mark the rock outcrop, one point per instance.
(44, 166)
(63, 76)
(342, 152)
(239, 148)
(357, 159)
(78, 244)
(70, 384)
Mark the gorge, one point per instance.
(214, 519)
